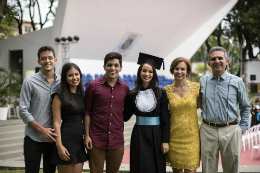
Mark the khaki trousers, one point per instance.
(113, 158)
(227, 140)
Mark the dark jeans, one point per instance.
(32, 156)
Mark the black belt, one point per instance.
(220, 124)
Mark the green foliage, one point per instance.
(199, 55)
(9, 24)
(7, 27)
(19, 170)
(251, 98)
(10, 86)
(243, 23)
(240, 27)
(200, 68)
(235, 69)
(196, 79)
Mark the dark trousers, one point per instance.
(32, 156)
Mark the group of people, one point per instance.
(255, 112)
(56, 111)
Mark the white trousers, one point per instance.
(227, 140)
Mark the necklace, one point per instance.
(180, 86)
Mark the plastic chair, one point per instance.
(89, 77)
(11, 106)
(96, 76)
(256, 153)
(244, 138)
(249, 121)
(258, 133)
(248, 137)
(254, 135)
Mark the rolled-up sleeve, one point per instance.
(244, 106)
(24, 103)
(88, 97)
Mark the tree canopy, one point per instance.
(14, 10)
(238, 32)
(7, 28)
(8, 25)
(243, 23)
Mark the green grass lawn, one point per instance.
(22, 171)
(16, 171)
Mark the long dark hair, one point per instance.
(68, 101)
(154, 83)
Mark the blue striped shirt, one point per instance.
(215, 92)
(35, 103)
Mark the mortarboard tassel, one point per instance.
(163, 64)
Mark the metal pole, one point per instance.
(65, 53)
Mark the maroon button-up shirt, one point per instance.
(104, 105)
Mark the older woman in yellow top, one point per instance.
(184, 151)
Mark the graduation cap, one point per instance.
(156, 62)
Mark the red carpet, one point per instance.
(126, 158)
(244, 160)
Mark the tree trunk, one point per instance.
(31, 15)
(20, 22)
(207, 45)
(250, 52)
(243, 58)
(219, 40)
(19, 26)
(2, 8)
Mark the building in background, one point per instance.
(166, 29)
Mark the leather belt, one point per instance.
(220, 124)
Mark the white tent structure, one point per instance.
(164, 28)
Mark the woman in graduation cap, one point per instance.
(150, 136)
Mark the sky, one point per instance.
(44, 7)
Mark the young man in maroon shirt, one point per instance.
(103, 121)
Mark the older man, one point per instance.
(221, 130)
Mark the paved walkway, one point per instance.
(10, 122)
(246, 164)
